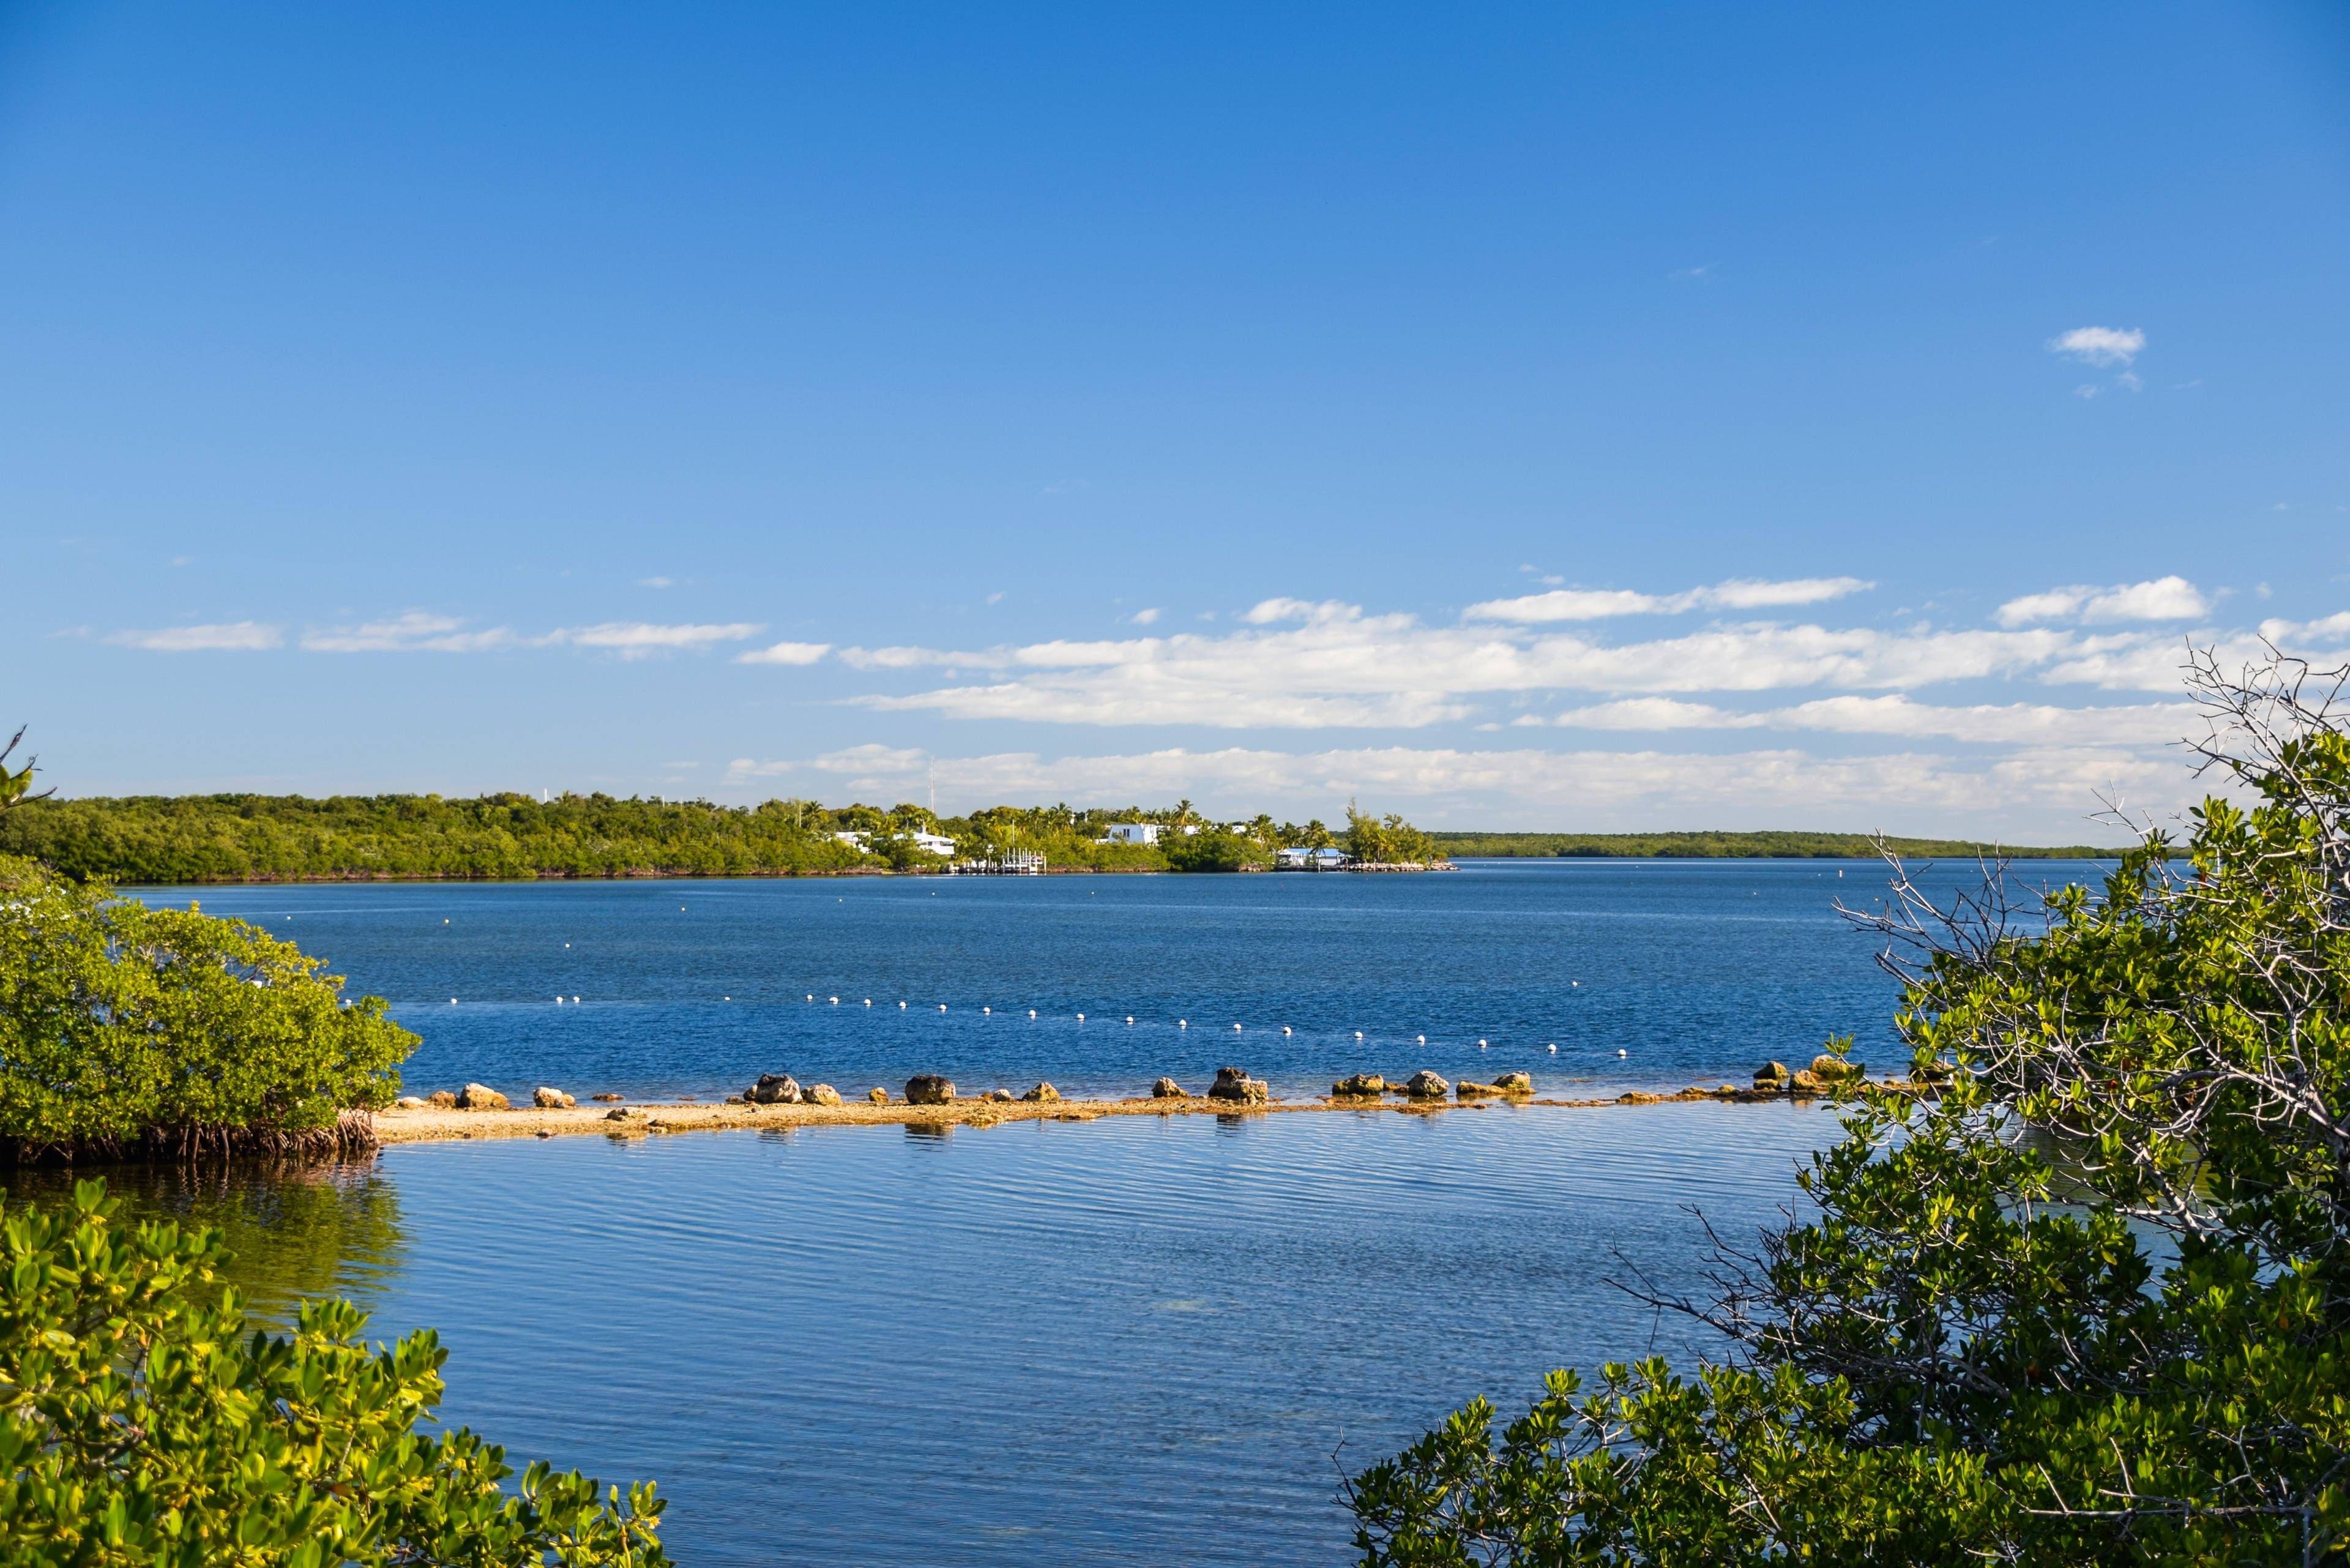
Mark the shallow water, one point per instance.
(1127, 1341)
(1696, 971)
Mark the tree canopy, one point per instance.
(2090, 1304)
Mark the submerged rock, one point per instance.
(997, 1096)
(1469, 1091)
(481, 1097)
(1167, 1089)
(774, 1089)
(1360, 1084)
(1807, 1082)
(1425, 1086)
(1042, 1094)
(408, 1103)
(820, 1094)
(929, 1089)
(441, 1099)
(1234, 1084)
(1516, 1083)
(548, 1099)
(607, 1096)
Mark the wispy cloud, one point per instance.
(2011, 723)
(785, 653)
(2162, 599)
(230, 637)
(2099, 345)
(415, 632)
(1603, 604)
(656, 582)
(1146, 616)
(643, 639)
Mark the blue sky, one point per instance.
(1534, 417)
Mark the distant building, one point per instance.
(934, 843)
(854, 840)
(1297, 858)
(1131, 833)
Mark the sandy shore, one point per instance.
(431, 1124)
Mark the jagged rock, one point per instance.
(1776, 1072)
(1425, 1086)
(878, 1096)
(820, 1094)
(929, 1089)
(1234, 1084)
(997, 1096)
(1360, 1084)
(607, 1096)
(548, 1099)
(774, 1089)
(1516, 1083)
(1469, 1091)
(481, 1097)
(442, 1100)
(1836, 1069)
(1637, 1097)
(1807, 1082)
(408, 1103)
(621, 1116)
(1167, 1089)
(1042, 1094)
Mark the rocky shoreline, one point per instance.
(776, 1101)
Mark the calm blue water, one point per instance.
(1131, 1341)
(1696, 971)
(1126, 1341)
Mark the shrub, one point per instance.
(124, 1027)
(2091, 1306)
(140, 1425)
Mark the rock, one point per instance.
(1807, 1082)
(879, 1096)
(1516, 1083)
(548, 1099)
(1933, 1072)
(774, 1089)
(997, 1096)
(1360, 1084)
(1042, 1094)
(1836, 1070)
(1637, 1097)
(1234, 1084)
(929, 1089)
(441, 1099)
(607, 1096)
(481, 1097)
(1776, 1072)
(1469, 1091)
(1425, 1086)
(820, 1094)
(408, 1103)
(621, 1115)
(1167, 1089)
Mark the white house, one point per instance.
(934, 843)
(1131, 833)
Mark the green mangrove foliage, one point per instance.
(2089, 1306)
(1767, 845)
(142, 1424)
(124, 1028)
(1387, 841)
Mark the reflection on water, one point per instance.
(1132, 1340)
(292, 1231)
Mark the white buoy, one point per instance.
(942, 1007)
(1236, 1028)
(811, 996)
(1284, 1030)
(868, 1002)
(1621, 1052)
(1081, 1018)
(452, 1000)
(987, 1013)
(1553, 1050)
(1359, 1035)
(567, 944)
(1129, 1018)
(1421, 1038)
(575, 1002)
(1481, 1044)
(1179, 1023)
(558, 1002)
(834, 1000)
(725, 999)
(1575, 982)
(1031, 1013)
(901, 1007)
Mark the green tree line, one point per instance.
(1763, 846)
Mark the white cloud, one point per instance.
(233, 636)
(641, 640)
(785, 653)
(2099, 345)
(1910, 791)
(2162, 599)
(2291, 635)
(1657, 714)
(1601, 603)
(1146, 616)
(656, 583)
(1897, 715)
(415, 632)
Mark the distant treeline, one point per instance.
(256, 837)
(1739, 846)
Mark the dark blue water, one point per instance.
(1131, 1341)
(1695, 970)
